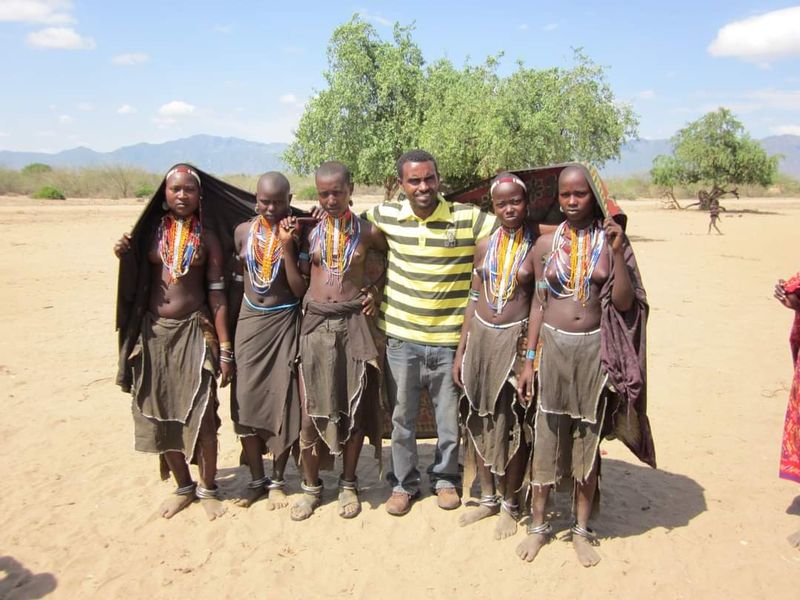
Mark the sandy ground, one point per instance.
(78, 502)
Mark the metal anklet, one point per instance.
(587, 533)
(258, 483)
(489, 500)
(313, 490)
(544, 529)
(511, 509)
(206, 493)
(186, 490)
(276, 484)
(344, 484)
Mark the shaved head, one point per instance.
(571, 171)
(273, 183)
(334, 169)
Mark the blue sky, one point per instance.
(106, 74)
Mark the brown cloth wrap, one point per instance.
(264, 395)
(340, 374)
(491, 412)
(174, 367)
(623, 355)
(570, 407)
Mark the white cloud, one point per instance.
(550, 27)
(126, 109)
(47, 12)
(3, 134)
(176, 108)
(130, 59)
(367, 16)
(523, 27)
(646, 94)
(62, 38)
(45, 133)
(65, 119)
(288, 99)
(762, 38)
(786, 130)
(223, 28)
(85, 106)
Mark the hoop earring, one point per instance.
(164, 205)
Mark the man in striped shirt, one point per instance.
(431, 246)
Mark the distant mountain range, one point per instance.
(220, 155)
(228, 155)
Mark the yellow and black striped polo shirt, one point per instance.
(430, 268)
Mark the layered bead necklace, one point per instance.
(504, 256)
(575, 255)
(337, 239)
(178, 243)
(263, 255)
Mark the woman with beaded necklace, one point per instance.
(582, 269)
(183, 344)
(265, 402)
(490, 356)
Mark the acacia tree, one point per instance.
(381, 102)
(370, 112)
(716, 152)
(555, 115)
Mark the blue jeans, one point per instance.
(410, 368)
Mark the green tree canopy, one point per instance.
(382, 99)
(370, 111)
(716, 152)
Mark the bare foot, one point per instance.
(530, 546)
(213, 507)
(506, 526)
(304, 507)
(175, 504)
(794, 539)
(277, 499)
(251, 495)
(349, 504)
(587, 555)
(473, 515)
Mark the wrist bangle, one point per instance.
(530, 354)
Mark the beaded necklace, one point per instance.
(337, 239)
(178, 243)
(575, 256)
(264, 255)
(504, 256)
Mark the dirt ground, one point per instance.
(78, 503)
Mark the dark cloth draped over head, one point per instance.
(223, 206)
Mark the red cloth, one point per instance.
(790, 447)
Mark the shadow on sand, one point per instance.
(18, 583)
(636, 499)
(794, 507)
(640, 239)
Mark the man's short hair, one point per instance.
(416, 156)
(334, 168)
